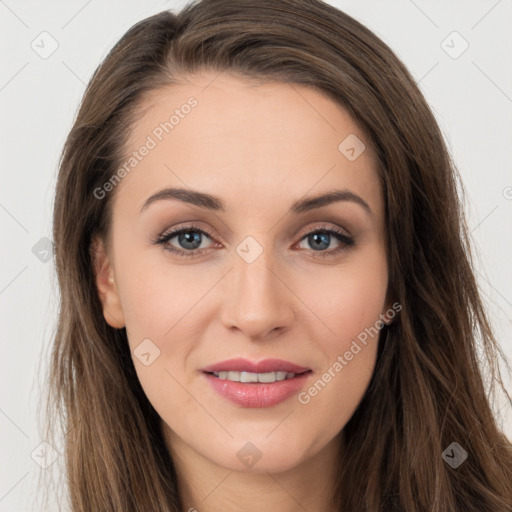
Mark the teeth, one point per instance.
(254, 377)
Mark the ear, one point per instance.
(105, 283)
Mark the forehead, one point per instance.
(246, 139)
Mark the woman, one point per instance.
(267, 291)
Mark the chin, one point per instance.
(260, 455)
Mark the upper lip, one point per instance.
(265, 366)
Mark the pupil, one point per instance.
(185, 238)
(325, 240)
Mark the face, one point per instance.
(259, 272)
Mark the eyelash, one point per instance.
(163, 239)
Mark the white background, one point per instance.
(471, 96)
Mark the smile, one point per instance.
(250, 390)
(235, 376)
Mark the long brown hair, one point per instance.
(429, 387)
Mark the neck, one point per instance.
(207, 487)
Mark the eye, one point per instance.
(321, 237)
(190, 239)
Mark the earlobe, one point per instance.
(106, 286)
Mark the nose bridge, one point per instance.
(259, 301)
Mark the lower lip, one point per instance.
(253, 394)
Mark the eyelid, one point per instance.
(185, 227)
(327, 226)
(194, 225)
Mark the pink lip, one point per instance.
(252, 394)
(265, 366)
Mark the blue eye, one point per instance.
(320, 239)
(191, 237)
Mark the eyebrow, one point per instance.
(210, 202)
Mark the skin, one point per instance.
(259, 147)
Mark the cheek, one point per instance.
(159, 297)
(349, 302)
(161, 313)
(165, 307)
(346, 298)
(332, 398)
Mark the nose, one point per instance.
(258, 301)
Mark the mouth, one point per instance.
(263, 384)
